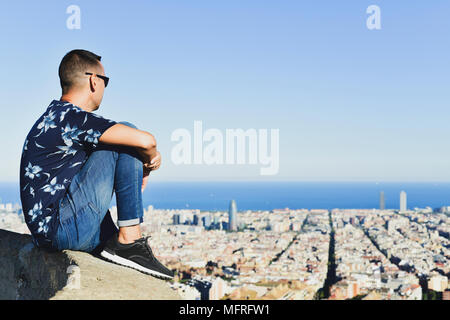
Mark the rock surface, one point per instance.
(27, 272)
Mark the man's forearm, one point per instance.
(147, 150)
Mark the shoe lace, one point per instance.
(144, 242)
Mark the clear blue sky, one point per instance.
(350, 103)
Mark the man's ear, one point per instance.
(92, 83)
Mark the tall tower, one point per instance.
(402, 201)
(382, 203)
(232, 218)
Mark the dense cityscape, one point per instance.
(303, 254)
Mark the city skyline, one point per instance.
(275, 195)
(232, 223)
(300, 254)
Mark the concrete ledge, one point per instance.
(27, 272)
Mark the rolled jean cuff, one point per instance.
(127, 223)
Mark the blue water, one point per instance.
(272, 195)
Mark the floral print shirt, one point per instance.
(55, 149)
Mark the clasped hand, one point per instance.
(154, 164)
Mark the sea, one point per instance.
(216, 196)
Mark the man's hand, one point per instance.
(154, 164)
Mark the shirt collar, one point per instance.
(60, 103)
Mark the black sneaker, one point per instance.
(137, 255)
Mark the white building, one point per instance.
(403, 206)
(438, 283)
(218, 289)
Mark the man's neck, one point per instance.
(78, 101)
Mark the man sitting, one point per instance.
(74, 160)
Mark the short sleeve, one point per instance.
(90, 128)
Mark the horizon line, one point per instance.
(294, 181)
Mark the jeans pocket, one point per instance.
(87, 228)
(94, 209)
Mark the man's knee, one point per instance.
(128, 124)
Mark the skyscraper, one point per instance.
(176, 218)
(232, 218)
(206, 221)
(402, 201)
(195, 220)
(382, 204)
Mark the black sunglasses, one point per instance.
(105, 79)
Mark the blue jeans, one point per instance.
(84, 221)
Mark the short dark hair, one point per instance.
(73, 66)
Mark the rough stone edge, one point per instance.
(49, 279)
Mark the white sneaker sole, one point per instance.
(128, 263)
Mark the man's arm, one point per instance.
(120, 134)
